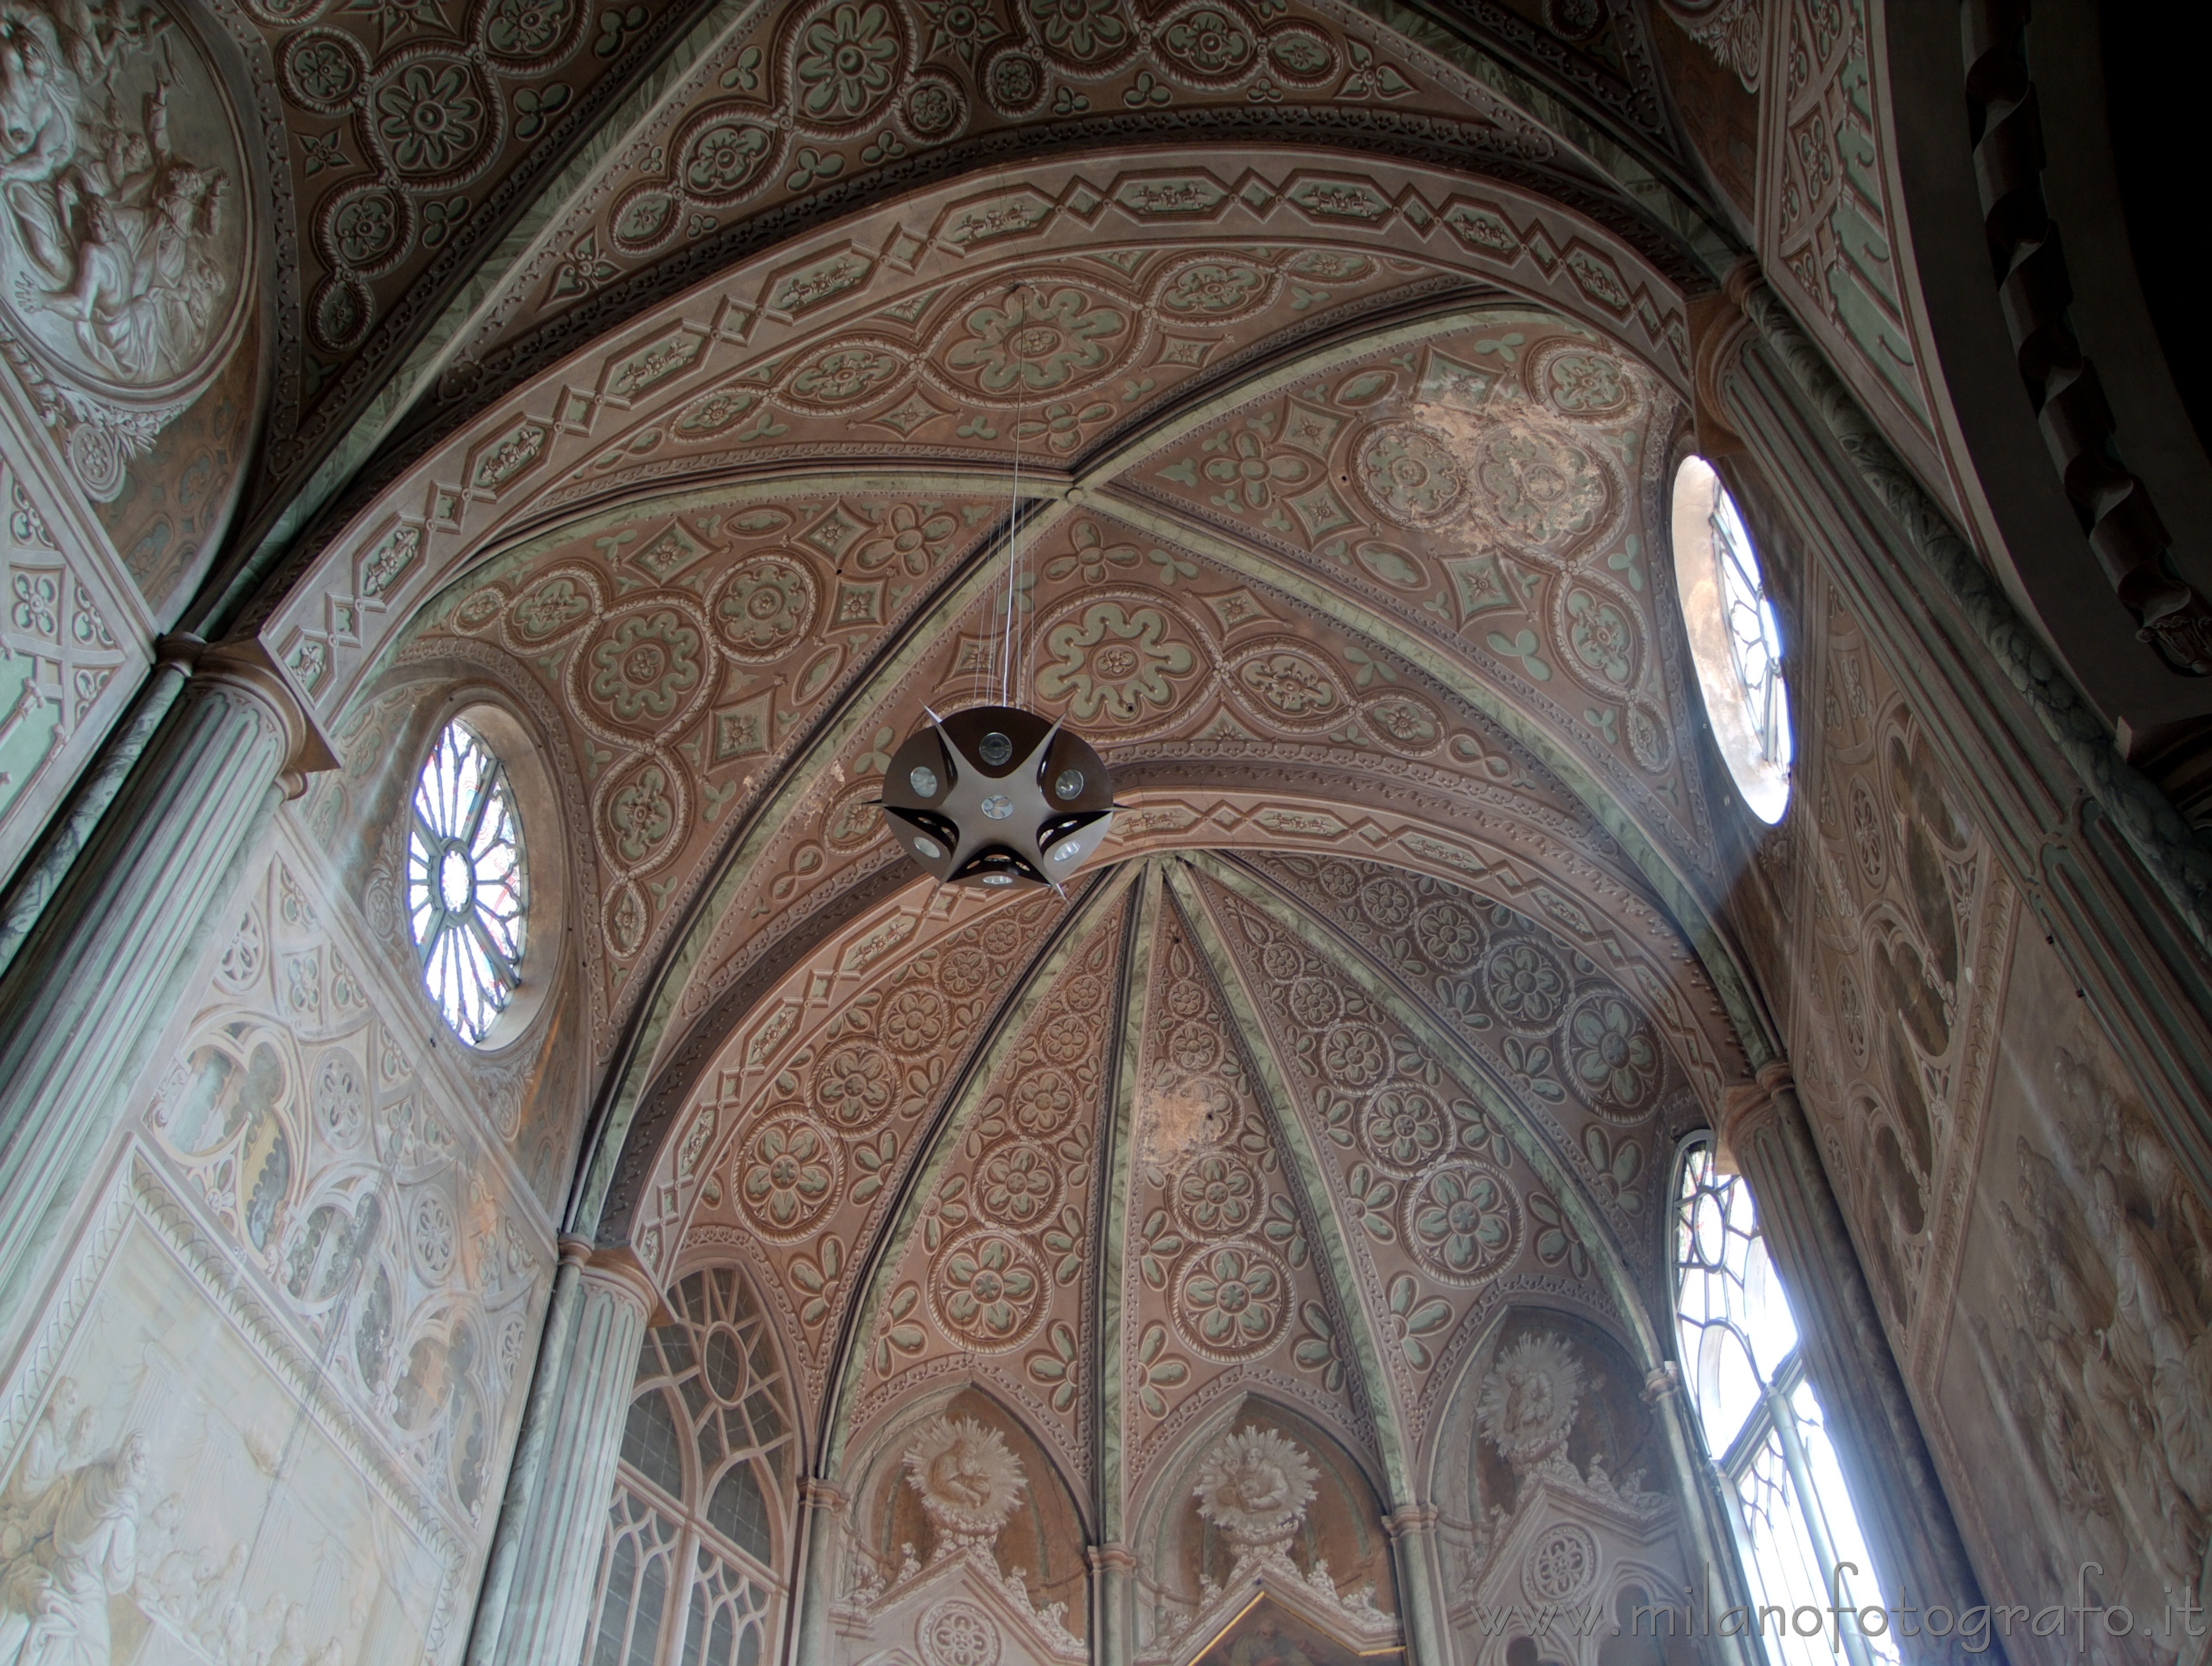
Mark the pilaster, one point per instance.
(537, 1601)
(1910, 1532)
(100, 976)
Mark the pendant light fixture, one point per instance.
(995, 795)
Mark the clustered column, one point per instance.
(536, 1598)
(1901, 1509)
(99, 978)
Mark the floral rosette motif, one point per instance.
(767, 608)
(524, 36)
(645, 670)
(1461, 1222)
(723, 154)
(1613, 1056)
(1232, 1301)
(1403, 1125)
(988, 1292)
(550, 608)
(1410, 472)
(854, 1085)
(1084, 34)
(845, 62)
(787, 1176)
(1216, 1195)
(1212, 45)
(433, 119)
(1047, 338)
(1598, 635)
(1018, 1186)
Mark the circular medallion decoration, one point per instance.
(324, 71)
(1216, 1193)
(1407, 471)
(1869, 845)
(433, 119)
(914, 1020)
(524, 35)
(1314, 1003)
(1353, 1056)
(988, 1292)
(1461, 1222)
(853, 1084)
(1539, 485)
(1613, 1056)
(365, 228)
(722, 154)
(127, 223)
(1043, 1100)
(1209, 45)
(553, 607)
(845, 62)
(1233, 1301)
(1019, 1185)
(1046, 339)
(1561, 1566)
(1117, 665)
(767, 608)
(1648, 741)
(1404, 1126)
(431, 1235)
(1387, 901)
(934, 108)
(1448, 933)
(785, 1177)
(645, 669)
(1015, 81)
(963, 969)
(340, 312)
(958, 1634)
(1525, 986)
(1087, 34)
(1194, 1049)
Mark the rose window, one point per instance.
(467, 885)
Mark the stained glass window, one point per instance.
(706, 1458)
(1763, 1428)
(1734, 637)
(467, 887)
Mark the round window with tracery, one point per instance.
(1734, 637)
(467, 890)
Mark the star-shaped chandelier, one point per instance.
(998, 796)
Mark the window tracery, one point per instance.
(1762, 1424)
(467, 883)
(700, 1511)
(1735, 639)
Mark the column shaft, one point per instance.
(100, 975)
(820, 1505)
(1413, 1530)
(1113, 1599)
(1901, 1509)
(537, 1599)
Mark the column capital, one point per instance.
(616, 1267)
(1411, 1518)
(1110, 1559)
(817, 1493)
(245, 666)
(1746, 1108)
(1718, 330)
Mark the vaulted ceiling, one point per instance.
(1286, 404)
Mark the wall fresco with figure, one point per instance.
(266, 1413)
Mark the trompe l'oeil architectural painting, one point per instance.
(1101, 833)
